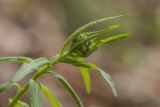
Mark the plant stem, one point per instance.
(35, 77)
(18, 95)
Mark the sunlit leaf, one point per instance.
(113, 38)
(50, 96)
(29, 68)
(35, 94)
(15, 59)
(68, 88)
(86, 78)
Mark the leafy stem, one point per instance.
(35, 77)
(75, 49)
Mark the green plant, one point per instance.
(76, 48)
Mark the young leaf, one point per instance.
(81, 29)
(50, 96)
(108, 78)
(109, 28)
(91, 24)
(35, 94)
(29, 68)
(68, 88)
(5, 86)
(86, 78)
(16, 59)
(112, 38)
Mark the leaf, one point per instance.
(68, 88)
(91, 24)
(73, 61)
(86, 78)
(5, 86)
(108, 78)
(35, 94)
(16, 59)
(111, 27)
(84, 27)
(113, 38)
(50, 96)
(19, 104)
(29, 68)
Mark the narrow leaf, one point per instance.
(91, 24)
(111, 27)
(113, 38)
(108, 78)
(50, 96)
(5, 86)
(73, 61)
(35, 94)
(68, 88)
(29, 68)
(86, 78)
(15, 59)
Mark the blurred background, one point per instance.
(38, 28)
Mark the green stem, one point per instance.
(37, 76)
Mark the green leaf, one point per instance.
(85, 27)
(111, 27)
(29, 68)
(73, 61)
(108, 78)
(19, 103)
(50, 96)
(91, 24)
(16, 59)
(5, 86)
(35, 94)
(86, 78)
(113, 38)
(68, 88)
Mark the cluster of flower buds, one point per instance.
(80, 46)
